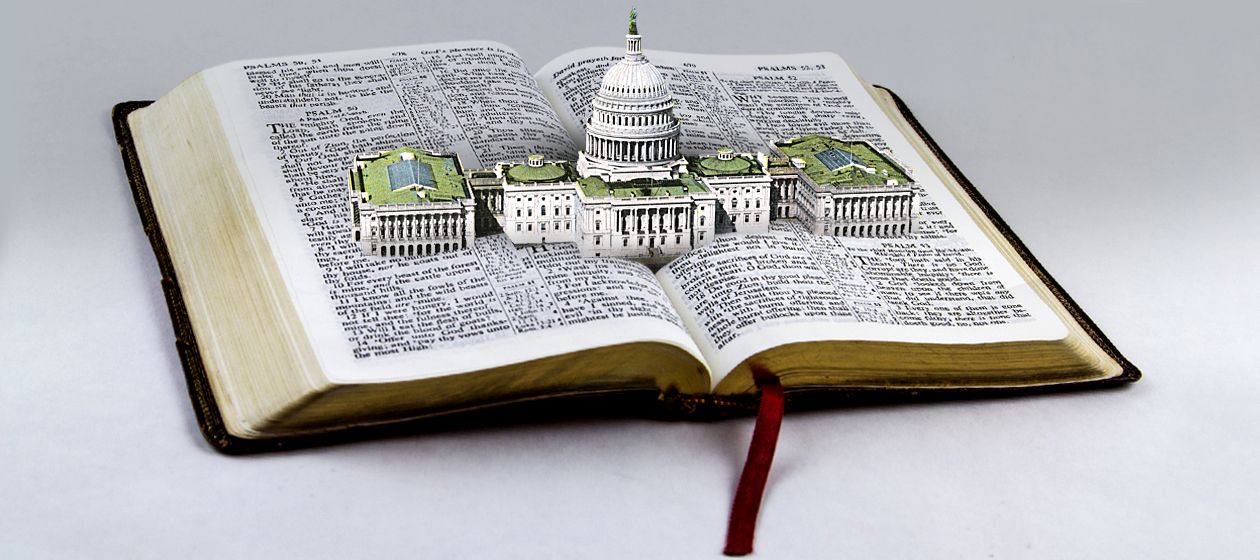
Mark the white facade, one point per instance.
(887, 211)
(540, 211)
(783, 182)
(416, 229)
(743, 198)
(422, 215)
(645, 228)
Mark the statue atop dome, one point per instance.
(634, 21)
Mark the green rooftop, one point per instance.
(415, 178)
(684, 185)
(714, 167)
(548, 173)
(829, 161)
(593, 187)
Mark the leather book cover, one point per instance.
(640, 403)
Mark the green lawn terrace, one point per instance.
(408, 176)
(713, 166)
(840, 163)
(553, 172)
(595, 187)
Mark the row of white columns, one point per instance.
(883, 230)
(653, 220)
(494, 201)
(872, 207)
(420, 226)
(786, 192)
(651, 119)
(632, 150)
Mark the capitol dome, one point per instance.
(632, 130)
(633, 80)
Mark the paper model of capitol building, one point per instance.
(631, 193)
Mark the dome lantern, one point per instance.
(634, 41)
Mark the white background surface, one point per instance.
(1119, 140)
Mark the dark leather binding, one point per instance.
(641, 403)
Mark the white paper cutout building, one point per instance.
(631, 193)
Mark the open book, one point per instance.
(288, 329)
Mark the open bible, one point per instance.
(289, 333)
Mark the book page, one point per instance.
(944, 283)
(297, 123)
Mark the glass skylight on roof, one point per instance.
(410, 172)
(833, 158)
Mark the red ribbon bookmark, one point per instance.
(752, 482)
